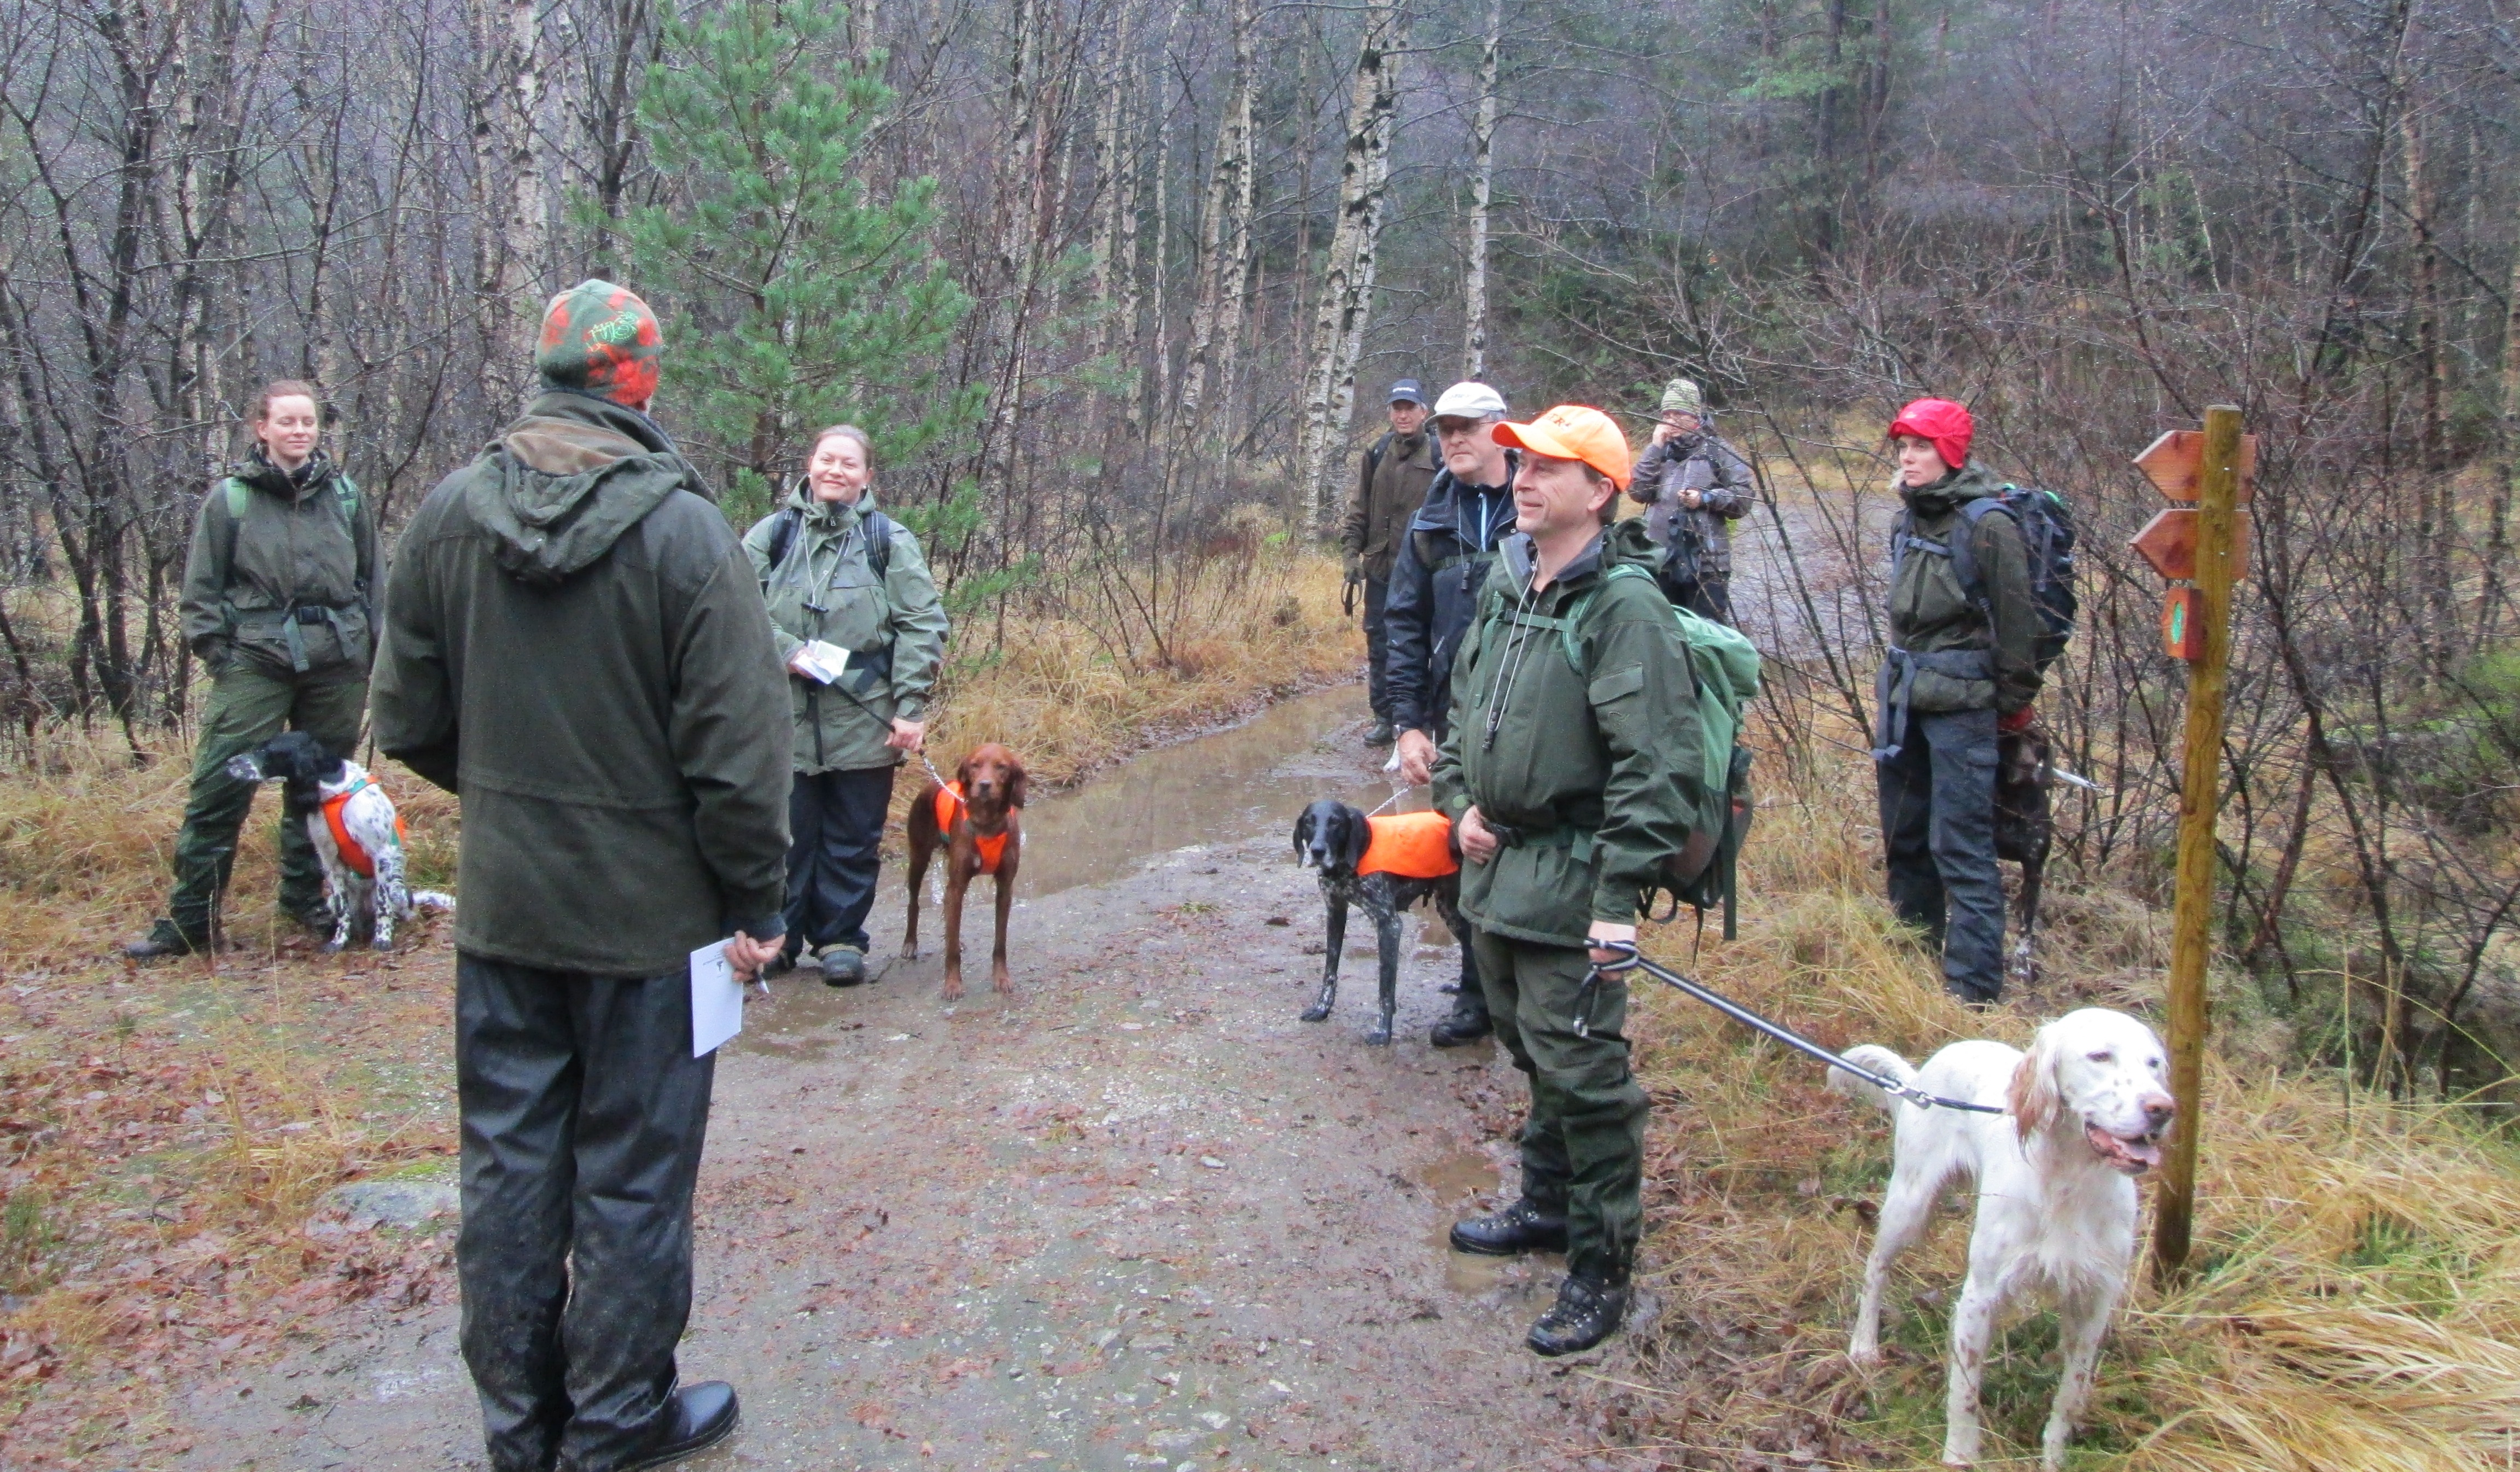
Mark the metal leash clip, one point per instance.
(1631, 958)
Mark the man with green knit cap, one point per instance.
(576, 646)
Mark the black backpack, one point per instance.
(2046, 525)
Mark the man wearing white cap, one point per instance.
(1442, 561)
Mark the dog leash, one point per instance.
(1632, 960)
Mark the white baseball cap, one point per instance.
(1470, 400)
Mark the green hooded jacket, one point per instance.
(575, 645)
(826, 588)
(290, 585)
(1592, 771)
(1930, 613)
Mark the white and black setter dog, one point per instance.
(355, 831)
(1385, 866)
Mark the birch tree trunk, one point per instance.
(1238, 256)
(511, 222)
(1474, 290)
(1224, 233)
(1347, 284)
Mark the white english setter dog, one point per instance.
(2085, 1109)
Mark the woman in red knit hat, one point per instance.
(1960, 664)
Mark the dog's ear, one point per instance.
(1303, 831)
(963, 774)
(1355, 834)
(1018, 781)
(2033, 1094)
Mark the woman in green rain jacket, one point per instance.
(278, 603)
(841, 578)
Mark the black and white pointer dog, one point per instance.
(1384, 864)
(355, 831)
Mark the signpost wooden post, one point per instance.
(2196, 626)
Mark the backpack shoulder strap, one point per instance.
(878, 529)
(783, 534)
(1964, 548)
(240, 498)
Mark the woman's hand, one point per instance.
(908, 736)
(1478, 842)
(796, 669)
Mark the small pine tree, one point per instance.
(804, 297)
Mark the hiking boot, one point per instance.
(1520, 1229)
(318, 921)
(164, 939)
(1587, 1312)
(699, 1417)
(1462, 1027)
(1380, 734)
(842, 965)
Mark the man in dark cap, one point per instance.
(575, 645)
(1390, 486)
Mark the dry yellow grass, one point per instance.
(2358, 1301)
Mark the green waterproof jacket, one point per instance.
(1588, 768)
(825, 588)
(291, 583)
(575, 645)
(1930, 614)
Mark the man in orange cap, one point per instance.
(1572, 706)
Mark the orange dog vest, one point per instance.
(1411, 845)
(361, 861)
(993, 845)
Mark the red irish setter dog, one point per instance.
(979, 821)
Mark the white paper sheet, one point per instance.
(717, 999)
(824, 662)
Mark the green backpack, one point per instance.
(1725, 667)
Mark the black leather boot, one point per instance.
(1520, 1229)
(701, 1418)
(1468, 1024)
(1587, 1312)
(1381, 733)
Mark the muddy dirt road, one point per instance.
(1137, 1215)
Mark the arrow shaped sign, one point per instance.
(2169, 542)
(2176, 463)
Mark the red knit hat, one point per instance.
(1943, 422)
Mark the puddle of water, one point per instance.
(1253, 778)
(1456, 1175)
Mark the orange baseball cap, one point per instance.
(1574, 431)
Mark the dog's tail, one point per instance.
(1875, 1059)
(432, 899)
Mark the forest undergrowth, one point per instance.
(2357, 1302)
(165, 1134)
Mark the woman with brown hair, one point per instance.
(858, 622)
(278, 605)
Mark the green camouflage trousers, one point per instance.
(1584, 1145)
(248, 706)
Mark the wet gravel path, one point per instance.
(1137, 1215)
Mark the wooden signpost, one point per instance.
(2207, 548)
